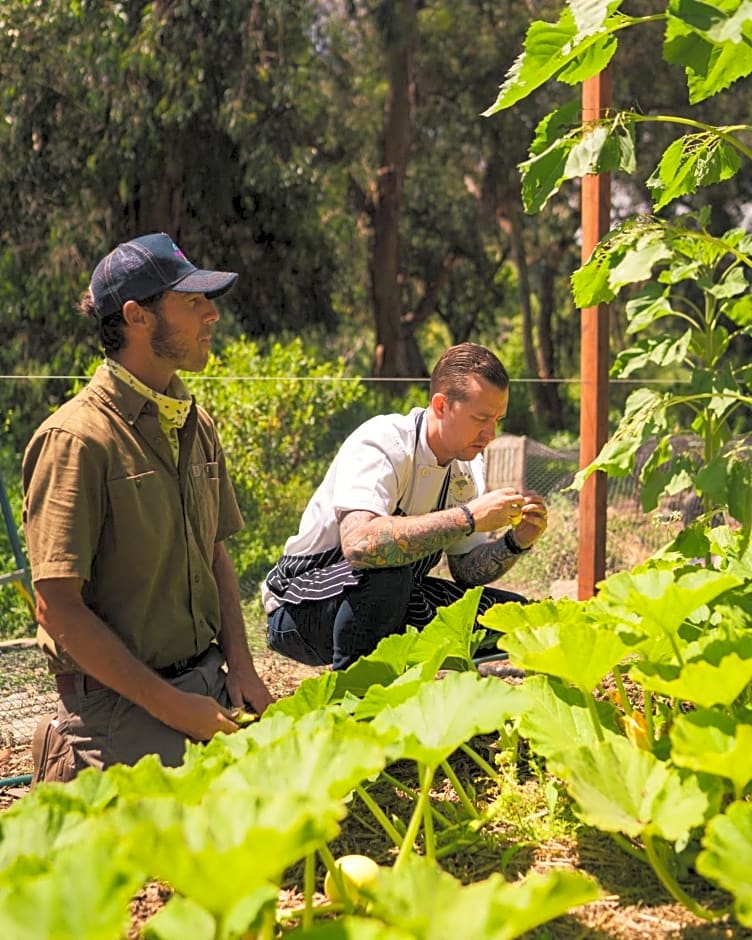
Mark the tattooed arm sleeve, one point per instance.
(485, 563)
(370, 541)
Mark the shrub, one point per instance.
(281, 412)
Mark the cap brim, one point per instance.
(211, 283)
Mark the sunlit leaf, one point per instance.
(690, 162)
(84, 895)
(443, 715)
(621, 788)
(726, 856)
(429, 903)
(711, 742)
(711, 45)
(558, 717)
(581, 653)
(662, 599)
(702, 683)
(548, 49)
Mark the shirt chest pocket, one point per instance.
(203, 510)
(144, 515)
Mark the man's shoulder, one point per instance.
(389, 428)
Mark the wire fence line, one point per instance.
(355, 378)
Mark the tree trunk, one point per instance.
(397, 352)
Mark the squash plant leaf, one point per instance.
(312, 693)
(428, 902)
(84, 895)
(451, 630)
(351, 928)
(228, 847)
(443, 715)
(579, 652)
(663, 599)
(331, 755)
(703, 683)
(49, 817)
(557, 717)
(726, 856)
(621, 788)
(178, 919)
(379, 697)
(710, 742)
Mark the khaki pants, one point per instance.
(101, 728)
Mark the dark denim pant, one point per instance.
(341, 629)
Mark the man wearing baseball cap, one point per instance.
(127, 504)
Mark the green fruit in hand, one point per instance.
(243, 718)
(357, 872)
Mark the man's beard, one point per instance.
(164, 344)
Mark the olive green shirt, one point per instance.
(104, 502)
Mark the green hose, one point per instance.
(20, 780)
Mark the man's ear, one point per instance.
(134, 314)
(439, 404)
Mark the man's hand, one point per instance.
(197, 716)
(245, 687)
(496, 509)
(533, 521)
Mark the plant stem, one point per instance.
(590, 699)
(309, 875)
(379, 814)
(627, 846)
(625, 703)
(430, 842)
(649, 724)
(415, 820)
(672, 886)
(483, 764)
(328, 859)
(459, 789)
(413, 795)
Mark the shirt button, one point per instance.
(196, 579)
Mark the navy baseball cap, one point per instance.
(147, 266)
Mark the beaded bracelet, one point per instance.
(468, 513)
(511, 543)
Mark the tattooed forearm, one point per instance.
(483, 564)
(370, 541)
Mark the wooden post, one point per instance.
(594, 351)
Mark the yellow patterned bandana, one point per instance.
(172, 409)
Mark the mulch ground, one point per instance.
(635, 907)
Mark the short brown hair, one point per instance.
(459, 364)
(112, 326)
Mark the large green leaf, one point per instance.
(726, 856)
(620, 788)
(712, 43)
(83, 896)
(228, 847)
(580, 653)
(331, 754)
(443, 715)
(663, 599)
(710, 742)
(429, 903)
(702, 683)
(557, 718)
(690, 162)
(548, 49)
